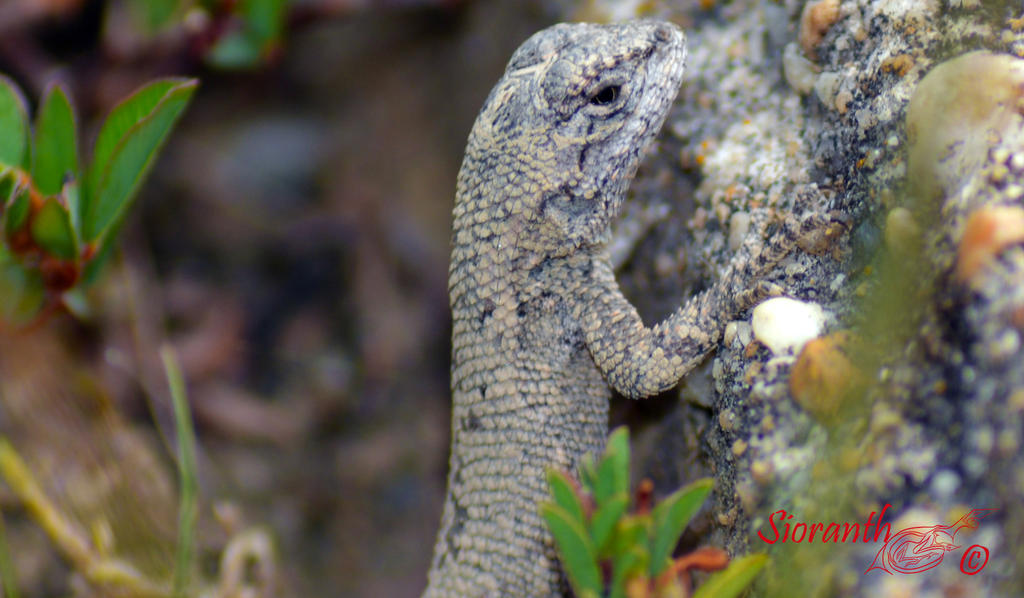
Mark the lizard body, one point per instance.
(540, 327)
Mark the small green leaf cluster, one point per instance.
(608, 552)
(57, 215)
(241, 34)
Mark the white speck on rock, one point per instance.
(826, 86)
(800, 72)
(785, 325)
(739, 226)
(910, 10)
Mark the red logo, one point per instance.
(917, 549)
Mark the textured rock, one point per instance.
(931, 279)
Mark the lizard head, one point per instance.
(570, 120)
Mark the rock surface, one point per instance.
(905, 116)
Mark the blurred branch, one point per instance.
(86, 558)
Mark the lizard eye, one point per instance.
(606, 95)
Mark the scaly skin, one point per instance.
(541, 328)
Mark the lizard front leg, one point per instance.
(640, 361)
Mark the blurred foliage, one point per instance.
(237, 33)
(292, 248)
(58, 217)
(610, 553)
(102, 494)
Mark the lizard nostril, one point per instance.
(662, 32)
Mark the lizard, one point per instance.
(541, 332)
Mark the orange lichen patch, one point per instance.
(842, 101)
(1016, 25)
(707, 4)
(1017, 317)
(899, 64)
(815, 21)
(824, 376)
(752, 372)
(751, 349)
(731, 192)
(988, 232)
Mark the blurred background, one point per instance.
(291, 245)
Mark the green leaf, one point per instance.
(119, 168)
(72, 199)
(736, 578)
(56, 147)
(574, 549)
(51, 230)
(629, 551)
(122, 119)
(670, 518)
(632, 531)
(627, 565)
(125, 116)
(8, 183)
(613, 471)
(17, 213)
(13, 124)
(588, 473)
(564, 494)
(618, 452)
(602, 523)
